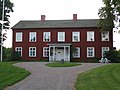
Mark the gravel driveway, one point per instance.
(47, 78)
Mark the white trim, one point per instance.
(90, 36)
(49, 36)
(32, 52)
(31, 36)
(77, 35)
(62, 36)
(16, 49)
(106, 49)
(106, 36)
(78, 48)
(45, 50)
(18, 36)
(93, 54)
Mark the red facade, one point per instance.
(83, 43)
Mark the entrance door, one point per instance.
(59, 54)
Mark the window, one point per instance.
(32, 52)
(19, 50)
(90, 36)
(104, 50)
(32, 36)
(105, 36)
(76, 52)
(46, 36)
(19, 37)
(61, 36)
(45, 51)
(90, 52)
(75, 36)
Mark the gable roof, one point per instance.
(32, 24)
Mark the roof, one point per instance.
(32, 24)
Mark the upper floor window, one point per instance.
(46, 36)
(61, 36)
(75, 36)
(90, 52)
(90, 36)
(104, 50)
(76, 52)
(105, 36)
(32, 36)
(19, 50)
(32, 51)
(19, 37)
(45, 51)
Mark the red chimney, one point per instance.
(42, 18)
(74, 17)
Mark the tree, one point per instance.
(109, 14)
(8, 7)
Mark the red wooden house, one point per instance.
(56, 40)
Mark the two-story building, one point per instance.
(56, 40)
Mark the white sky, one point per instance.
(54, 10)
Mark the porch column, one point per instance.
(69, 53)
(53, 53)
(49, 54)
(64, 52)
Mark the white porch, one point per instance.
(58, 52)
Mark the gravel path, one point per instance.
(47, 78)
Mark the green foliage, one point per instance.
(113, 56)
(10, 74)
(15, 56)
(59, 64)
(7, 54)
(108, 14)
(102, 78)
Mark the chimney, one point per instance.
(42, 18)
(74, 17)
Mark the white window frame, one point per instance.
(75, 36)
(32, 50)
(19, 36)
(93, 53)
(90, 36)
(61, 36)
(105, 35)
(45, 49)
(78, 52)
(46, 36)
(104, 49)
(19, 50)
(32, 37)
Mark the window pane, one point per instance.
(90, 52)
(104, 50)
(19, 37)
(90, 36)
(32, 36)
(45, 51)
(46, 36)
(61, 36)
(105, 36)
(32, 51)
(76, 52)
(19, 50)
(76, 36)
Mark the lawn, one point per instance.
(102, 78)
(65, 64)
(10, 74)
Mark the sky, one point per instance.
(54, 10)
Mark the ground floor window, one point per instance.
(76, 52)
(19, 50)
(45, 51)
(32, 51)
(90, 52)
(104, 50)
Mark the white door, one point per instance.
(59, 54)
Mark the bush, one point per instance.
(113, 56)
(15, 56)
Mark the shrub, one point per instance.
(113, 56)
(15, 56)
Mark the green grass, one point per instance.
(59, 64)
(10, 74)
(102, 78)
